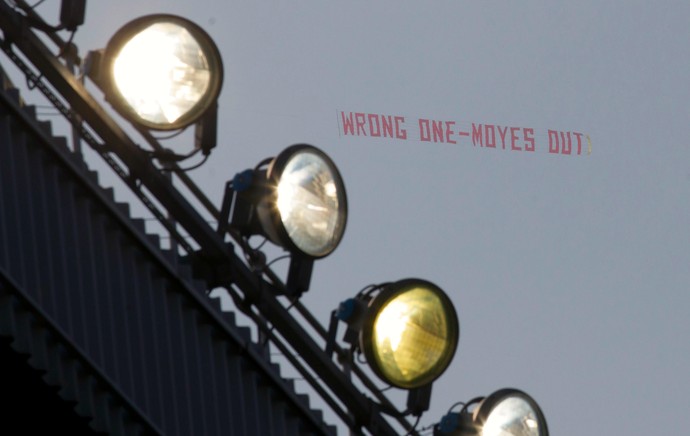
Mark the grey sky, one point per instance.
(570, 274)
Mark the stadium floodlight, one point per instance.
(408, 331)
(306, 206)
(506, 412)
(298, 202)
(162, 72)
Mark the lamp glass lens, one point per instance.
(411, 337)
(162, 73)
(310, 200)
(512, 417)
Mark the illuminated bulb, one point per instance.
(163, 71)
(410, 336)
(311, 203)
(391, 323)
(512, 414)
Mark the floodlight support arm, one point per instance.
(206, 130)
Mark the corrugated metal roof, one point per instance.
(116, 322)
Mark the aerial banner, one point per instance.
(464, 133)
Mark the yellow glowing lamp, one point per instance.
(162, 72)
(410, 333)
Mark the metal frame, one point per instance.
(225, 267)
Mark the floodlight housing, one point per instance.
(409, 333)
(506, 412)
(162, 72)
(304, 205)
(510, 412)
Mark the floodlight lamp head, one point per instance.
(510, 412)
(162, 72)
(304, 205)
(409, 333)
(506, 412)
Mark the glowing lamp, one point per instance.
(510, 412)
(297, 200)
(162, 72)
(410, 333)
(506, 412)
(304, 207)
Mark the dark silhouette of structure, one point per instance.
(95, 315)
(118, 326)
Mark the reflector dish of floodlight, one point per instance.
(410, 333)
(162, 72)
(306, 209)
(510, 412)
